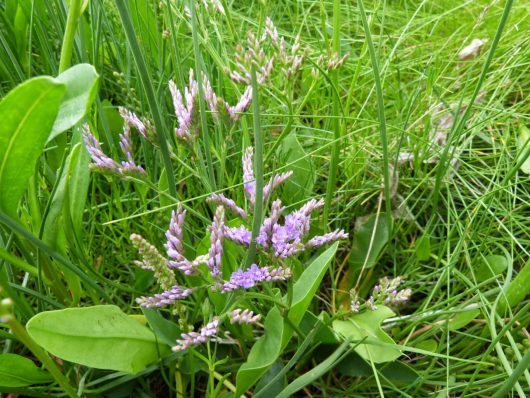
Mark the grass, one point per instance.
(444, 220)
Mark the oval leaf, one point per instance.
(371, 236)
(27, 115)
(17, 371)
(368, 326)
(101, 337)
(81, 84)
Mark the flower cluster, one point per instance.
(280, 236)
(186, 110)
(194, 338)
(263, 52)
(243, 317)
(385, 292)
(104, 163)
(281, 239)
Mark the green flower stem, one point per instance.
(69, 34)
(258, 170)
(335, 149)
(382, 119)
(22, 335)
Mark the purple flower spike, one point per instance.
(128, 166)
(243, 317)
(209, 95)
(246, 279)
(244, 103)
(132, 120)
(327, 238)
(194, 338)
(275, 181)
(165, 298)
(174, 245)
(266, 230)
(239, 235)
(184, 110)
(248, 174)
(101, 161)
(216, 238)
(222, 200)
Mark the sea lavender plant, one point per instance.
(277, 240)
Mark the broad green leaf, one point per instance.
(325, 334)
(17, 371)
(263, 353)
(306, 286)
(523, 145)
(300, 185)
(518, 289)
(462, 319)
(101, 337)
(367, 325)
(427, 345)
(278, 332)
(165, 330)
(27, 113)
(315, 373)
(491, 266)
(423, 248)
(394, 372)
(369, 239)
(81, 86)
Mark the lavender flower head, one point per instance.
(243, 317)
(168, 297)
(386, 292)
(185, 107)
(216, 238)
(104, 163)
(101, 161)
(245, 279)
(193, 338)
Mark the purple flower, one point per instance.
(193, 338)
(222, 200)
(132, 120)
(128, 166)
(274, 182)
(216, 238)
(209, 94)
(184, 107)
(244, 103)
(243, 316)
(101, 161)
(239, 235)
(327, 238)
(248, 175)
(165, 298)
(266, 230)
(174, 245)
(253, 275)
